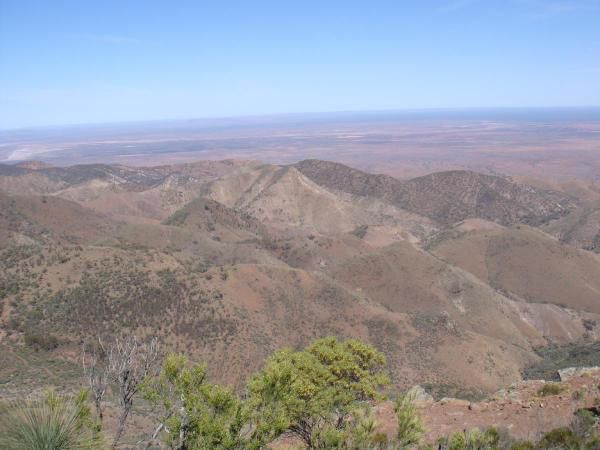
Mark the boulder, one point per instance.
(420, 395)
(573, 372)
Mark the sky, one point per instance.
(105, 61)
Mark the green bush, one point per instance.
(560, 438)
(550, 389)
(319, 394)
(523, 445)
(316, 394)
(410, 427)
(473, 439)
(38, 341)
(51, 423)
(197, 414)
(593, 443)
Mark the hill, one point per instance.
(554, 287)
(447, 197)
(231, 260)
(284, 197)
(42, 219)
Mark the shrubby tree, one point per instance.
(313, 394)
(195, 414)
(559, 438)
(319, 394)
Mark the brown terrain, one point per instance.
(522, 409)
(461, 278)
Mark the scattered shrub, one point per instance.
(583, 424)
(560, 438)
(39, 341)
(523, 445)
(550, 389)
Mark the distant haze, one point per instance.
(100, 62)
(562, 143)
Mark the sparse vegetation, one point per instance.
(579, 354)
(177, 218)
(550, 389)
(229, 289)
(39, 341)
(560, 438)
(360, 231)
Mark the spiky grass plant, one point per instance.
(51, 423)
(410, 426)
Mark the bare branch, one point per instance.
(129, 363)
(96, 371)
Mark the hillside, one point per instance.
(447, 197)
(231, 260)
(40, 219)
(284, 197)
(528, 264)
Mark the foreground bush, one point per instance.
(321, 395)
(196, 414)
(48, 424)
(317, 393)
(410, 427)
(558, 439)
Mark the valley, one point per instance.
(457, 277)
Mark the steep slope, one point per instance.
(528, 264)
(456, 195)
(581, 228)
(446, 197)
(233, 317)
(140, 194)
(45, 218)
(232, 261)
(408, 280)
(284, 197)
(204, 217)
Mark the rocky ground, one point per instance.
(526, 409)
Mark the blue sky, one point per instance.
(109, 61)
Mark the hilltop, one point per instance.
(447, 197)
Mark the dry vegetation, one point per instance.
(230, 261)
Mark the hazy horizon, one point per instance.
(534, 113)
(76, 63)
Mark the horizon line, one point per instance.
(308, 114)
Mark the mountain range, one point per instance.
(458, 277)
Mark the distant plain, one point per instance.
(550, 144)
